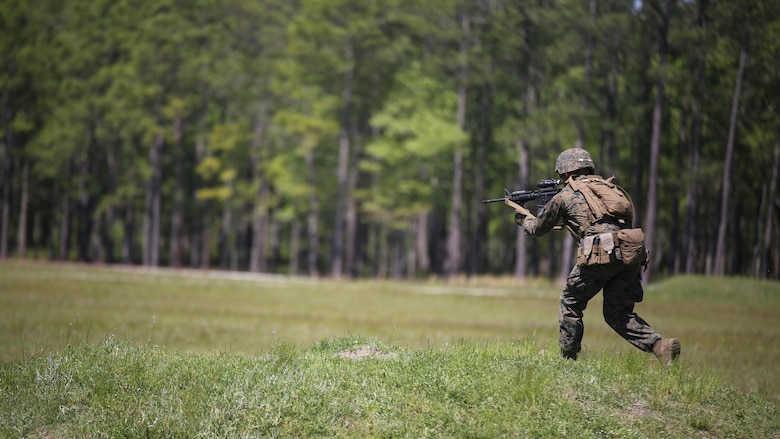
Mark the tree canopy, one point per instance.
(358, 138)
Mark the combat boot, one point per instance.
(569, 355)
(667, 350)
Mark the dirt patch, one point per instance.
(364, 351)
(639, 409)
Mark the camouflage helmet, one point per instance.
(573, 159)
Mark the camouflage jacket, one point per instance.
(570, 206)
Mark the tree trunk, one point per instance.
(397, 254)
(453, 257)
(295, 246)
(720, 252)
(21, 241)
(129, 234)
(200, 251)
(765, 255)
(84, 225)
(38, 242)
(274, 243)
(676, 246)
(5, 176)
(153, 202)
(350, 229)
(382, 251)
(523, 147)
(655, 141)
(758, 245)
(64, 243)
(109, 216)
(522, 182)
(479, 235)
(205, 240)
(775, 248)
(177, 216)
(313, 220)
(587, 78)
(257, 260)
(225, 243)
(243, 239)
(50, 230)
(608, 153)
(689, 251)
(568, 242)
(694, 140)
(422, 260)
(452, 260)
(337, 255)
(84, 229)
(361, 247)
(351, 215)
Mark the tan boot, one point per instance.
(667, 350)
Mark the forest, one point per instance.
(357, 139)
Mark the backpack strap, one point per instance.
(628, 197)
(581, 185)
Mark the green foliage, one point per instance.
(264, 91)
(419, 117)
(418, 128)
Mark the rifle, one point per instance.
(546, 190)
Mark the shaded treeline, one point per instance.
(340, 138)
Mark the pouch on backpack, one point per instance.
(632, 246)
(597, 250)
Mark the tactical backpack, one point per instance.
(606, 199)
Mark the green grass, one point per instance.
(44, 306)
(111, 352)
(491, 389)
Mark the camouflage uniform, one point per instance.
(621, 283)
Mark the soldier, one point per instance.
(621, 282)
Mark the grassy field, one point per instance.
(121, 347)
(360, 388)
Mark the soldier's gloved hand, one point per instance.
(519, 218)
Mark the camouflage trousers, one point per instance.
(622, 287)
